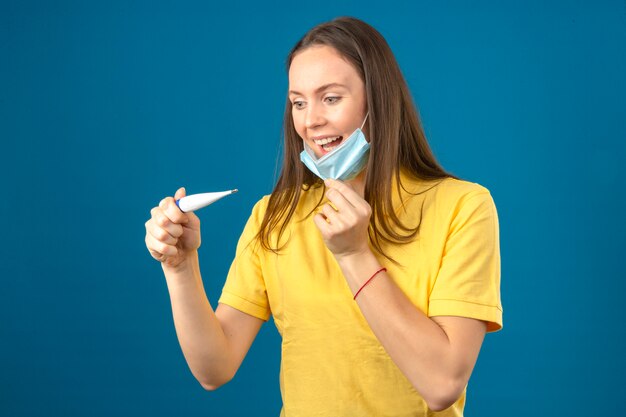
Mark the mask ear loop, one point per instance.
(363, 124)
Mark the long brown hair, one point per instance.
(396, 136)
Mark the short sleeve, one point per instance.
(245, 287)
(468, 282)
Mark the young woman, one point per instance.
(381, 270)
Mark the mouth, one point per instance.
(328, 144)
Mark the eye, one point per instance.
(332, 99)
(298, 105)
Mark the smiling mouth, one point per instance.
(328, 144)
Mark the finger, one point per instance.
(180, 193)
(361, 207)
(322, 224)
(161, 220)
(158, 256)
(194, 221)
(171, 210)
(332, 216)
(157, 246)
(160, 233)
(348, 192)
(339, 200)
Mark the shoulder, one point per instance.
(446, 190)
(258, 212)
(260, 207)
(464, 200)
(308, 199)
(453, 186)
(454, 190)
(450, 197)
(444, 187)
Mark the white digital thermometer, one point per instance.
(197, 201)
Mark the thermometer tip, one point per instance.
(234, 191)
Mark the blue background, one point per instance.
(107, 107)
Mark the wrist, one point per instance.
(358, 267)
(184, 269)
(354, 257)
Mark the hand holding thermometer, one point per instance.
(197, 201)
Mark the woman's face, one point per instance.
(327, 97)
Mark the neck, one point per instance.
(358, 183)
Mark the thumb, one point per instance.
(180, 193)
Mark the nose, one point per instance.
(314, 117)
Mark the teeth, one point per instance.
(326, 140)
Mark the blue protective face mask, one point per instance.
(342, 163)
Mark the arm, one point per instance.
(213, 343)
(437, 355)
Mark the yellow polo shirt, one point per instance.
(332, 364)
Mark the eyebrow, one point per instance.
(322, 88)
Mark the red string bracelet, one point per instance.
(368, 281)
